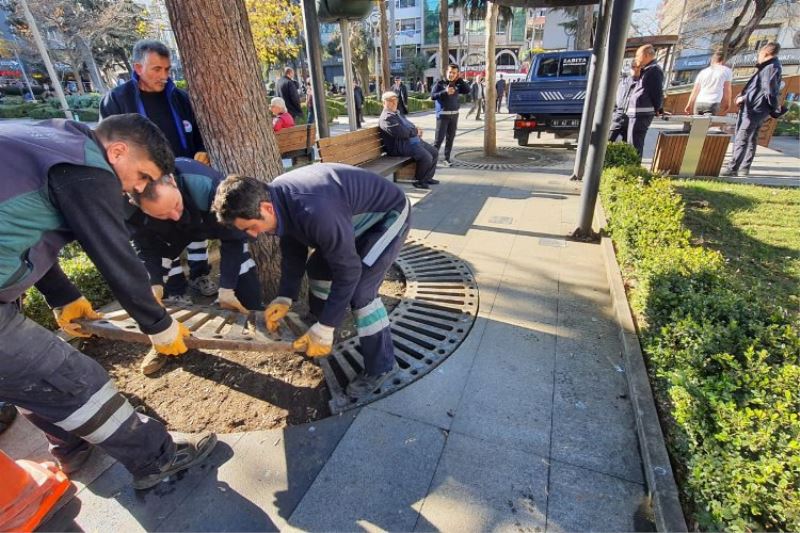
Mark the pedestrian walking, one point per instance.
(759, 100)
(445, 94)
(478, 92)
(500, 86)
(402, 93)
(358, 101)
(711, 93)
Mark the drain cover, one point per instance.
(516, 158)
(433, 318)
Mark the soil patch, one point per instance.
(227, 391)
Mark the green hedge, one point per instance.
(82, 272)
(40, 111)
(620, 154)
(726, 367)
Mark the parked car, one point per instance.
(551, 99)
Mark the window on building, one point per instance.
(502, 26)
(398, 53)
(454, 28)
(405, 3)
(538, 33)
(408, 25)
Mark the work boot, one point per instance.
(743, 172)
(432, 182)
(364, 384)
(189, 451)
(204, 285)
(8, 413)
(75, 460)
(152, 362)
(727, 172)
(178, 300)
(420, 185)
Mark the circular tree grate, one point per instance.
(436, 313)
(516, 158)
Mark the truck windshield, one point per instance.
(567, 67)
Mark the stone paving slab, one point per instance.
(480, 486)
(375, 479)
(583, 500)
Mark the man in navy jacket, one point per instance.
(646, 97)
(759, 100)
(401, 137)
(445, 94)
(356, 222)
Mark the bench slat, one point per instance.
(350, 137)
(370, 150)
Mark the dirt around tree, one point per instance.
(228, 391)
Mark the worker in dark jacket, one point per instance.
(176, 210)
(358, 100)
(152, 94)
(356, 223)
(619, 118)
(401, 137)
(63, 182)
(445, 95)
(646, 97)
(759, 100)
(286, 88)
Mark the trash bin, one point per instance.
(671, 150)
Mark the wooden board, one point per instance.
(671, 146)
(297, 138)
(211, 327)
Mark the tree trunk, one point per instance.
(739, 33)
(490, 126)
(94, 71)
(583, 29)
(444, 45)
(76, 71)
(385, 71)
(232, 110)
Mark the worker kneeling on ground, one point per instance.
(356, 222)
(61, 182)
(176, 210)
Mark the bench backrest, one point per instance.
(296, 139)
(352, 148)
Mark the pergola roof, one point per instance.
(658, 41)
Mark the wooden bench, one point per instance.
(297, 142)
(363, 148)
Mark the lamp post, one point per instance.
(375, 25)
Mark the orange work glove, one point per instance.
(316, 342)
(276, 310)
(202, 157)
(171, 340)
(80, 308)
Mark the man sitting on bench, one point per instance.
(176, 210)
(401, 138)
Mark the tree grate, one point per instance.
(433, 318)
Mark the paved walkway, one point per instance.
(527, 426)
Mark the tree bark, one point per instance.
(223, 74)
(94, 71)
(583, 30)
(444, 45)
(489, 121)
(737, 35)
(385, 70)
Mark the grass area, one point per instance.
(757, 230)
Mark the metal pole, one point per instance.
(609, 78)
(590, 99)
(314, 50)
(37, 38)
(22, 69)
(392, 32)
(347, 57)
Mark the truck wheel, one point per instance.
(523, 140)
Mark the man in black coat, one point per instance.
(358, 100)
(402, 92)
(445, 95)
(401, 137)
(646, 97)
(759, 100)
(286, 88)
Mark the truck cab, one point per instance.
(551, 98)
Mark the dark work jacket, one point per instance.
(647, 95)
(154, 239)
(762, 91)
(342, 212)
(448, 102)
(397, 133)
(623, 93)
(286, 88)
(358, 97)
(127, 99)
(56, 187)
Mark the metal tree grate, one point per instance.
(433, 318)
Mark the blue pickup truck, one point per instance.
(551, 99)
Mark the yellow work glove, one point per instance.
(276, 310)
(227, 300)
(158, 293)
(202, 157)
(80, 308)
(171, 340)
(316, 342)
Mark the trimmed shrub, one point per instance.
(82, 272)
(417, 104)
(43, 111)
(372, 108)
(620, 154)
(78, 101)
(726, 367)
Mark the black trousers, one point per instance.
(425, 156)
(746, 139)
(619, 129)
(637, 131)
(446, 126)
